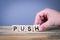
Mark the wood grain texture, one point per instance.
(30, 36)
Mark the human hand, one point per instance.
(47, 17)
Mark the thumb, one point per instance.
(45, 25)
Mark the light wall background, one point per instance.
(22, 12)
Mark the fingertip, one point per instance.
(42, 28)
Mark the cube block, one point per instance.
(25, 28)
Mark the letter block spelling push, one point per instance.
(25, 28)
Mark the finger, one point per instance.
(45, 25)
(38, 19)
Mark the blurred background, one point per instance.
(23, 12)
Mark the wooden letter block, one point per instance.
(28, 28)
(36, 28)
(15, 28)
(25, 28)
(22, 28)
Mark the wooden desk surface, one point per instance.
(32, 36)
